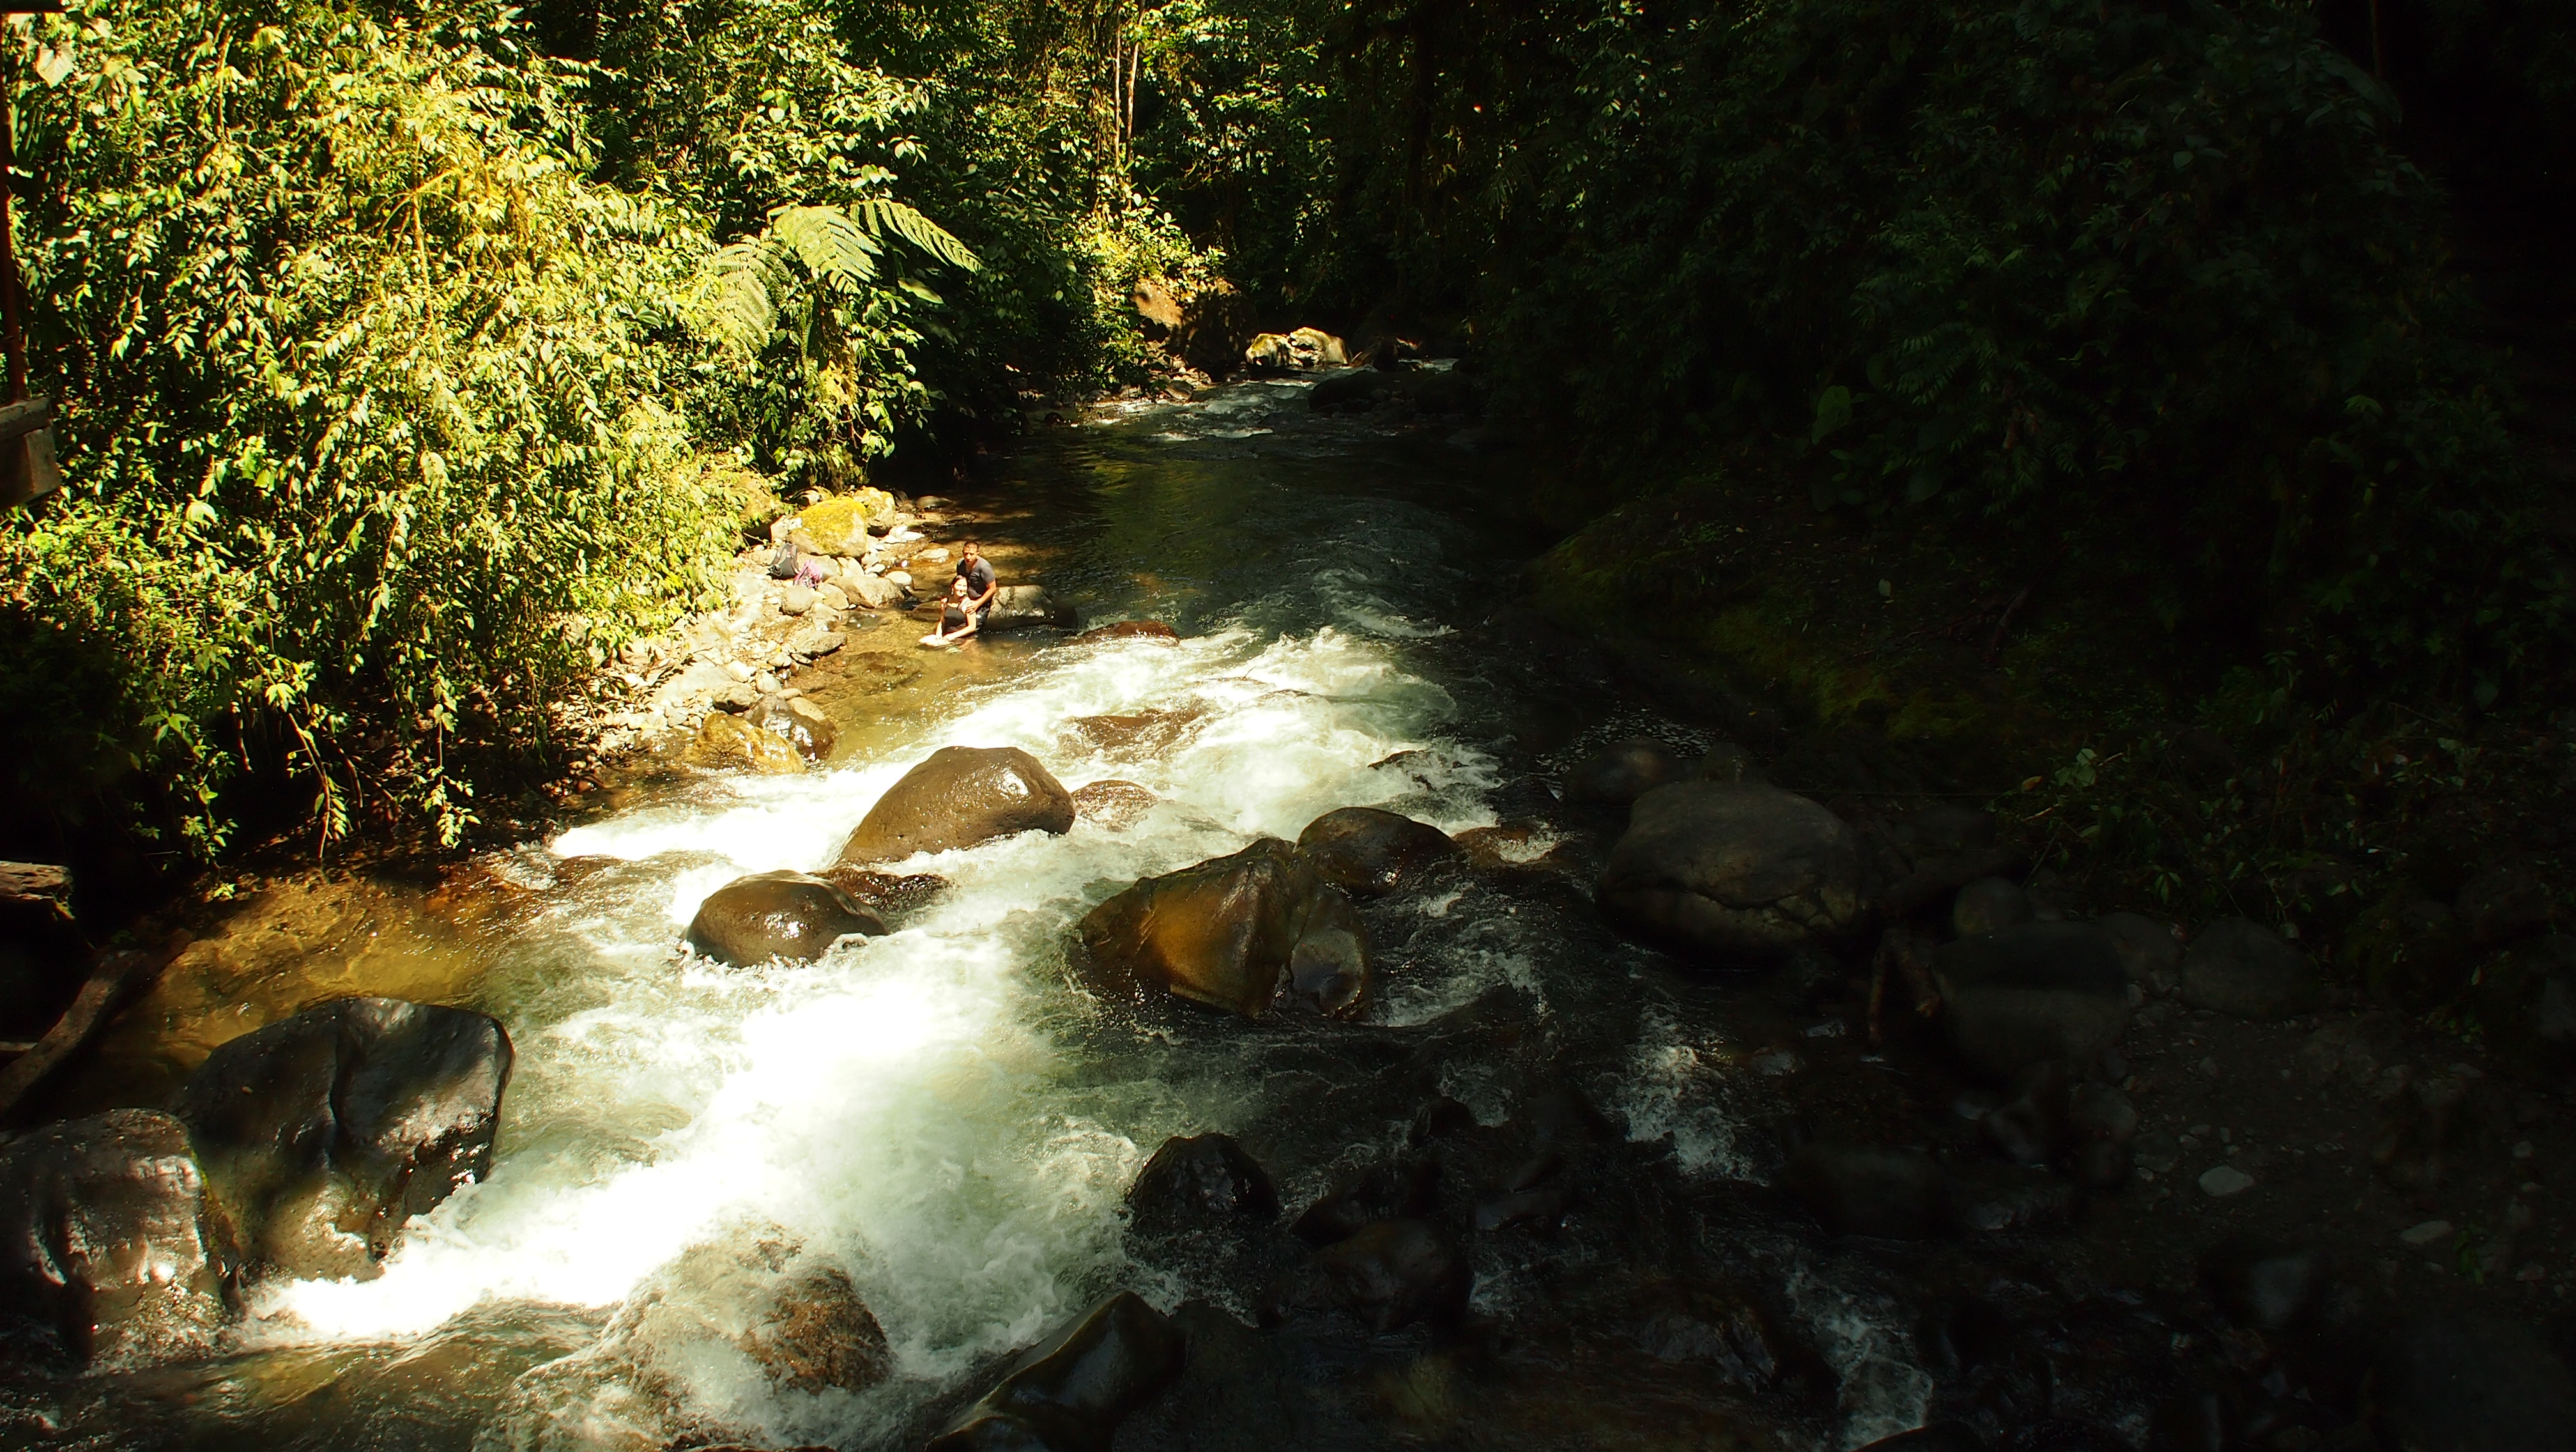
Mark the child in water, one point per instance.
(956, 620)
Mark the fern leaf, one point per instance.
(830, 243)
(885, 214)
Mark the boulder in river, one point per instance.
(886, 896)
(1018, 605)
(322, 1134)
(777, 915)
(1200, 1182)
(1388, 1190)
(108, 1244)
(733, 742)
(1233, 932)
(959, 797)
(1367, 852)
(1071, 1392)
(1388, 1274)
(2013, 998)
(800, 722)
(2243, 968)
(1738, 873)
(1621, 772)
(876, 592)
(1303, 349)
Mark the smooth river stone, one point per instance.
(960, 797)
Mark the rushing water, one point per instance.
(941, 1113)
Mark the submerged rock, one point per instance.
(108, 1243)
(1618, 774)
(322, 1134)
(2013, 998)
(1738, 873)
(1071, 1392)
(1201, 1182)
(777, 915)
(1388, 1274)
(730, 742)
(1231, 933)
(1129, 630)
(1368, 853)
(1114, 804)
(959, 797)
(1388, 1190)
(2245, 969)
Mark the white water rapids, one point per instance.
(893, 1108)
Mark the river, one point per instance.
(944, 1115)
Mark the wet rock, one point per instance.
(2501, 904)
(1369, 853)
(2150, 952)
(1389, 1275)
(1618, 774)
(1306, 348)
(885, 896)
(1989, 904)
(1727, 762)
(2243, 968)
(1231, 933)
(1142, 734)
(2013, 998)
(1016, 606)
(1129, 630)
(799, 721)
(960, 797)
(1899, 1194)
(1114, 804)
(2449, 1382)
(1724, 1330)
(1201, 1182)
(322, 1134)
(2266, 1284)
(2221, 1182)
(1737, 874)
(771, 916)
(1071, 1392)
(819, 1335)
(1388, 1190)
(728, 742)
(1356, 391)
(108, 1244)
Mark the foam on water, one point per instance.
(897, 1109)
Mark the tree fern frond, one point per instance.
(884, 214)
(830, 243)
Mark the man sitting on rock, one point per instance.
(981, 585)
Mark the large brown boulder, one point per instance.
(322, 1134)
(107, 1240)
(1368, 852)
(961, 796)
(1737, 872)
(771, 915)
(1231, 933)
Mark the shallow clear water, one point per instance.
(941, 1113)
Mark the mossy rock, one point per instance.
(839, 524)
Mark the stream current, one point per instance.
(943, 1114)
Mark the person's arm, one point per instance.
(992, 587)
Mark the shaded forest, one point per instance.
(412, 363)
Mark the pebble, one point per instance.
(738, 670)
(2420, 1236)
(2209, 1067)
(898, 577)
(2225, 1180)
(2522, 1150)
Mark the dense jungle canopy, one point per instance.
(410, 362)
